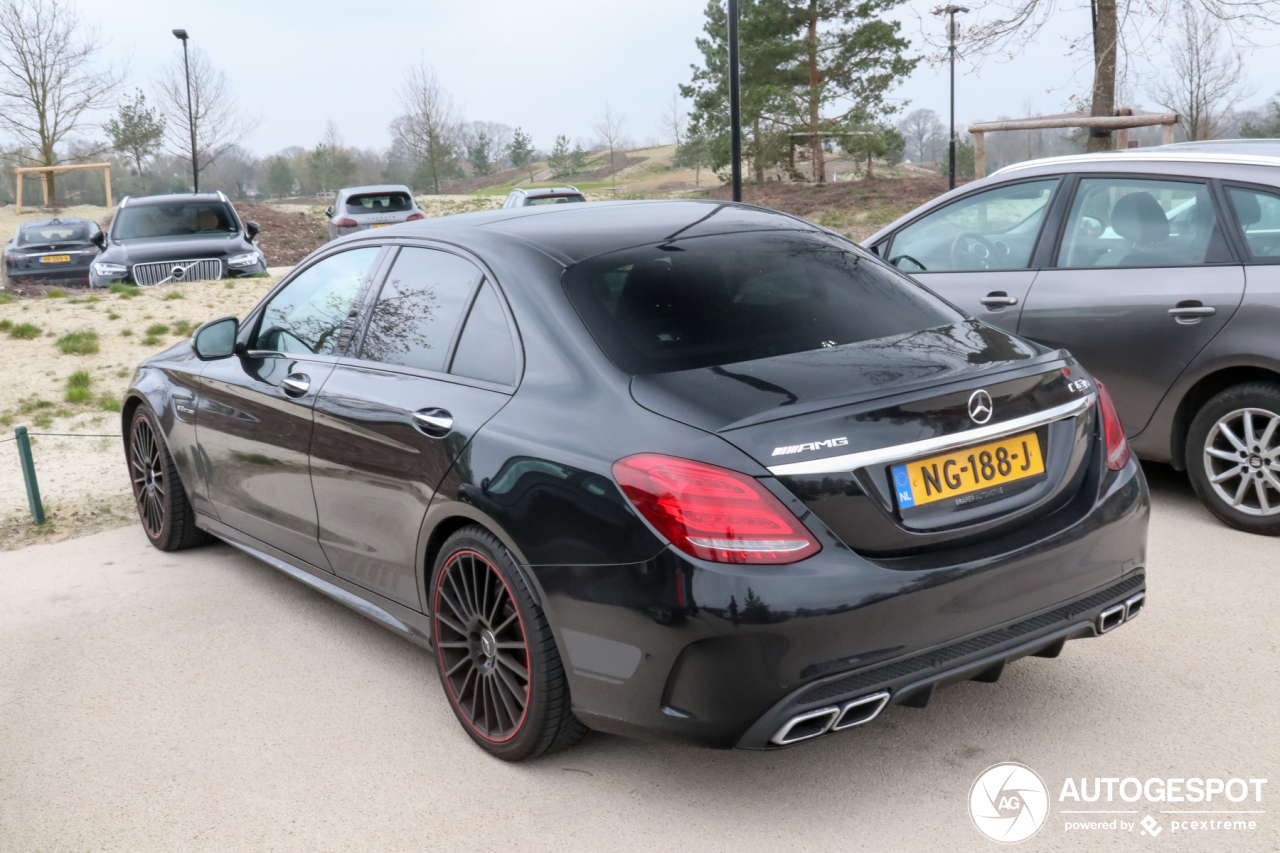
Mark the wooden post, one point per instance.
(106, 179)
(1166, 134)
(44, 186)
(979, 155)
(1122, 138)
(17, 182)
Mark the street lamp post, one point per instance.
(735, 103)
(191, 116)
(951, 37)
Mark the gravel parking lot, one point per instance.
(204, 702)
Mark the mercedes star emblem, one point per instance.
(980, 406)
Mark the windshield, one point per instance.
(554, 199)
(173, 220)
(379, 203)
(54, 232)
(709, 301)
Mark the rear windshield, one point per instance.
(54, 232)
(553, 199)
(710, 301)
(173, 220)
(379, 203)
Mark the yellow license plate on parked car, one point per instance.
(55, 259)
(962, 473)
(380, 225)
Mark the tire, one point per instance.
(477, 590)
(166, 515)
(1235, 441)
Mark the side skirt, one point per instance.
(396, 617)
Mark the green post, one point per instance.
(29, 474)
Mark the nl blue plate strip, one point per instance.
(902, 485)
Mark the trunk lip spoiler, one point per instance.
(901, 452)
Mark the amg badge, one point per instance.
(813, 445)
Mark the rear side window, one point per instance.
(486, 350)
(1259, 216)
(379, 203)
(419, 308)
(724, 299)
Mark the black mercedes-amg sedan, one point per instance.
(677, 469)
(185, 237)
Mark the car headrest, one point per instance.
(1247, 207)
(1139, 218)
(206, 220)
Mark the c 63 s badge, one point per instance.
(843, 441)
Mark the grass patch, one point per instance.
(125, 291)
(157, 329)
(108, 403)
(79, 395)
(25, 331)
(6, 298)
(56, 293)
(151, 341)
(6, 325)
(183, 328)
(122, 372)
(231, 285)
(43, 420)
(173, 294)
(124, 333)
(111, 315)
(79, 379)
(79, 343)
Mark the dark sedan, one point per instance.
(168, 238)
(683, 469)
(52, 250)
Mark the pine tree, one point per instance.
(521, 151)
(137, 130)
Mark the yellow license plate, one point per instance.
(380, 225)
(964, 472)
(55, 259)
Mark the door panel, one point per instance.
(374, 471)
(998, 288)
(255, 437)
(1117, 323)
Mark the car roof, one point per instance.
(1243, 155)
(375, 188)
(546, 191)
(171, 198)
(572, 232)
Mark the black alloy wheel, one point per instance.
(1233, 457)
(495, 653)
(166, 515)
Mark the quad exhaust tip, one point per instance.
(833, 718)
(1134, 606)
(1111, 618)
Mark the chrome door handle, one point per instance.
(1193, 311)
(296, 384)
(434, 422)
(999, 299)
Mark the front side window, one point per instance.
(419, 308)
(709, 301)
(310, 313)
(1258, 213)
(179, 219)
(991, 230)
(1135, 222)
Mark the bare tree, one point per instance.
(609, 127)
(674, 121)
(924, 134)
(1204, 81)
(50, 76)
(218, 120)
(429, 127)
(1120, 27)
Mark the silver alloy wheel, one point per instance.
(1242, 461)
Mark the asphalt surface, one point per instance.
(204, 702)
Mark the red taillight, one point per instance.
(1117, 446)
(345, 223)
(415, 216)
(713, 513)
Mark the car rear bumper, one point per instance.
(60, 272)
(725, 656)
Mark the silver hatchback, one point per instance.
(361, 208)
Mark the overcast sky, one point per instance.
(548, 66)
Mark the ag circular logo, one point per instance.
(1008, 803)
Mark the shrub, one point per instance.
(151, 341)
(25, 331)
(157, 329)
(56, 293)
(79, 343)
(126, 291)
(183, 328)
(109, 403)
(173, 294)
(79, 395)
(79, 379)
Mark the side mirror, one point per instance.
(99, 239)
(216, 339)
(252, 229)
(328, 211)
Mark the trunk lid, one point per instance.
(833, 425)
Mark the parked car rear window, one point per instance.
(380, 203)
(725, 299)
(173, 220)
(553, 199)
(1259, 216)
(54, 232)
